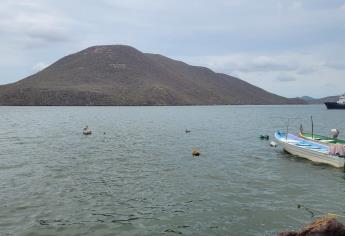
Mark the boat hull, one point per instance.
(334, 105)
(321, 156)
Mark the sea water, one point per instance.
(135, 174)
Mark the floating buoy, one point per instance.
(87, 131)
(195, 153)
(266, 137)
(273, 144)
(335, 133)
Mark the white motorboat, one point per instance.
(310, 150)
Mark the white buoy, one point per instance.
(273, 144)
(335, 133)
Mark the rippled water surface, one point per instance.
(135, 174)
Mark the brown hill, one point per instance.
(122, 75)
(310, 100)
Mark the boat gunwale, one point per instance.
(305, 135)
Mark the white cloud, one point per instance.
(302, 73)
(342, 7)
(32, 23)
(254, 62)
(39, 66)
(296, 5)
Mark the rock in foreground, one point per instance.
(321, 227)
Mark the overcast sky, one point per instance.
(288, 47)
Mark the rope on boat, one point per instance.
(326, 214)
(335, 215)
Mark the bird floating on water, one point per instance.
(87, 131)
(264, 137)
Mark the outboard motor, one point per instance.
(335, 133)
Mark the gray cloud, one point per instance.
(49, 36)
(30, 23)
(284, 78)
(39, 66)
(266, 64)
(298, 63)
(337, 65)
(306, 70)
